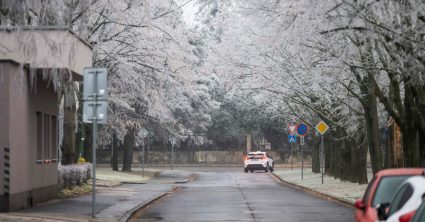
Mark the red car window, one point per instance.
(387, 186)
(368, 190)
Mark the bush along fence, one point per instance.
(74, 175)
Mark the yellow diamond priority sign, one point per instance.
(322, 127)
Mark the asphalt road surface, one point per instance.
(231, 195)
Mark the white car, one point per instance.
(408, 197)
(258, 161)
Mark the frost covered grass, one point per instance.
(344, 190)
(75, 191)
(105, 175)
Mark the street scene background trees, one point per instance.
(224, 69)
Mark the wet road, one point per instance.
(237, 196)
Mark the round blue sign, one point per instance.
(302, 129)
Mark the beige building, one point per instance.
(32, 61)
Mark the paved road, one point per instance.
(231, 195)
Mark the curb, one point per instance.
(191, 178)
(132, 212)
(312, 191)
(46, 217)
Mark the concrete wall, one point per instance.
(193, 157)
(30, 182)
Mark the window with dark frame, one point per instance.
(46, 136)
(39, 131)
(54, 139)
(46, 132)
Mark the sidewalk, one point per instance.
(343, 191)
(112, 203)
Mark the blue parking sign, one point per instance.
(292, 138)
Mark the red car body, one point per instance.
(365, 212)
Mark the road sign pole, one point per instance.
(94, 146)
(95, 112)
(322, 164)
(292, 156)
(172, 155)
(302, 159)
(149, 165)
(302, 156)
(143, 160)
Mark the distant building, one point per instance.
(31, 61)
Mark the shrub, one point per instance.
(74, 175)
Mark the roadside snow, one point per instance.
(333, 187)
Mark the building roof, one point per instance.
(46, 48)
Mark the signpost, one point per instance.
(143, 133)
(292, 139)
(321, 128)
(302, 130)
(173, 142)
(94, 111)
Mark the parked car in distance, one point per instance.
(407, 199)
(381, 190)
(258, 161)
(420, 213)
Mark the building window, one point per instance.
(39, 119)
(54, 135)
(46, 133)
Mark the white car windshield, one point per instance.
(256, 156)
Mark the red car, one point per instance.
(381, 191)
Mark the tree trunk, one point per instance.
(421, 148)
(69, 133)
(315, 162)
(409, 132)
(88, 143)
(114, 157)
(410, 148)
(129, 142)
(328, 153)
(372, 125)
(389, 152)
(359, 159)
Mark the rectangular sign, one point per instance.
(95, 83)
(101, 111)
(292, 139)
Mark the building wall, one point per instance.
(31, 182)
(4, 126)
(46, 48)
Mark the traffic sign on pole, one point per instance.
(302, 129)
(322, 127)
(94, 111)
(292, 128)
(292, 139)
(100, 90)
